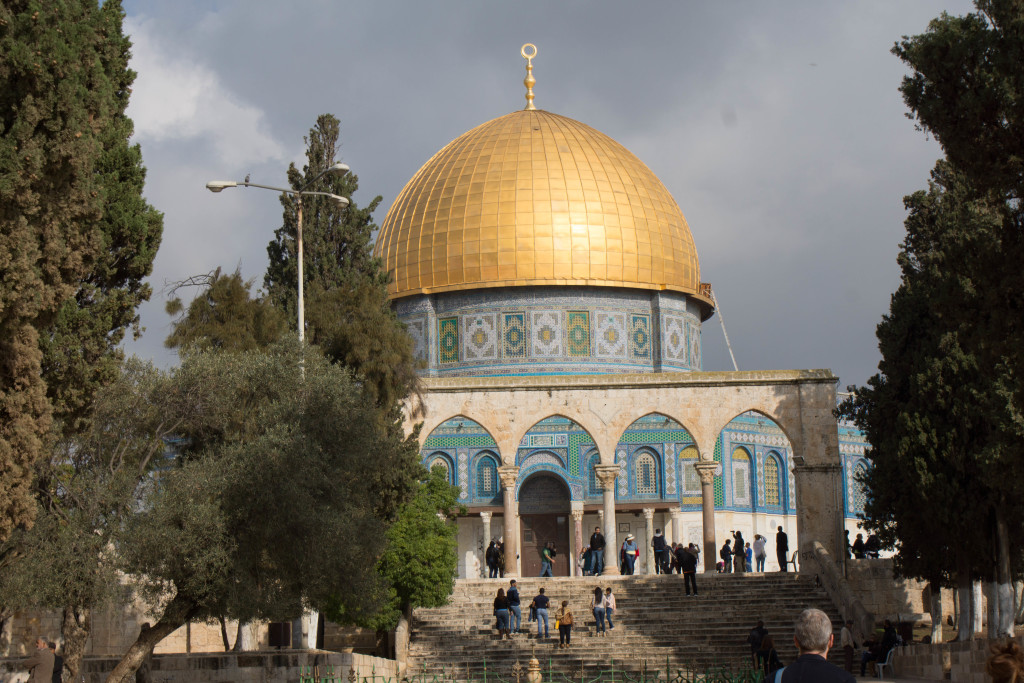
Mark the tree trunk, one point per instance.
(1003, 628)
(5, 631)
(991, 608)
(964, 592)
(224, 634)
(75, 625)
(935, 607)
(176, 614)
(1018, 592)
(247, 636)
(977, 614)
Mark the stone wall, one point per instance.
(249, 667)
(963, 662)
(887, 598)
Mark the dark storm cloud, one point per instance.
(778, 128)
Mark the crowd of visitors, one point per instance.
(507, 613)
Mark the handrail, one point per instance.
(838, 589)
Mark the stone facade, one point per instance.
(958, 662)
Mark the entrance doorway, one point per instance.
(544, 517)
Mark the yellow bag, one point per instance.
(557, 622)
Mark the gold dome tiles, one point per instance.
(533, 198)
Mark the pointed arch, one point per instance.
(859, 495)
(561, 437)
(773, 480)
(661, 436)
(645, 473)
(444, 461)
(485, 476)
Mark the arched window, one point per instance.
(486, 477)
(691, 479)
(772, 489)
(593, 483)
(860, 495)
(645, 471)
(741, 476)
(442, 462)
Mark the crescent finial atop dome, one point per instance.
(529, 81)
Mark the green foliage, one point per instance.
(421, 560)
(224, 316)
(72, 225)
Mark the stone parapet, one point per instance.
(963, 662)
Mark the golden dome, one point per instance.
(533, 198)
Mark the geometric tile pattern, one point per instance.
(578, 332)
(417, 331)
(448, 340)
(611, 335)
(623, 478)
(464, 473)
(772, 495)
(670, 470)
(514, 337)
(694, 361)
(480, 337)
(676, 338)
(640, 336)
(546, 334)
(578, 442)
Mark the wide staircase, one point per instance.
(657, 626)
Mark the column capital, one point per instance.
(508, 475)
(577, 516)
(486, 516)
(708, 471)
(606, 474)
(648, 513)
(676, 513)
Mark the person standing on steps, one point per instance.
(563, 618)
(40, 664)
(501, 612)
(768, 658)
(658, 543)
(597, 550)
(597, 607)
(738, 552)
(541, 602)
(848, 644)
(781, 548)
(609, 607)
(515, 616)
(688, 563)
(630, 552)
(726, 554)
(748, 559)
(759, 554)
(501, 559)
(547, 556)
(491, 558)
(813, 638)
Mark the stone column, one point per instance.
(649, 521)
(486, 517)
(677, 526)
(819, 511)
(707, 472)
(575, 568)
(508, 475)
(607, 474)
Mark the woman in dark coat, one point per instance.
(501, 612)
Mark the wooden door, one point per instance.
(537, 530)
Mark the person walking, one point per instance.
(541, 602)
(563, 617)
(515, 616)
(630, 552)
(768, 657)
(587, 562)
(547, 556)
(848, 644)
(781, 548)
(597, 550)
(597, 607)
(609, 607)
(739, 558)
(688, 563)
(754, 639)
(58, 663)
(501, 559)
(726, 554)
(40, 664)
(501, 612)
(813, 638)
(759, 554)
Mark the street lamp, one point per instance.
(337, 169)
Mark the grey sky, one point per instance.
(777, 127)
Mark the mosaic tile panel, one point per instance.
(649, 436)
(463, 474)
(640, 336)
(577, 325)
(514, 336)
(448, 340)
(542, 458)
(480, 337)
(611, 335)
(695, 357)
(577, 443)
(670, 471)
(623, 479)
(676, 338)
(418, 332)
(719, 486)
(546, 334)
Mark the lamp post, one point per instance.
(336, 169)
